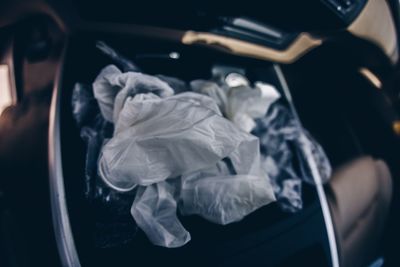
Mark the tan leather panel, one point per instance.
(375, 23)
(303, 43)
(359, 197)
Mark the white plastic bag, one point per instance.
(221, 197)
(155, 139)
(154, 211)
(256, 109)
(111, 81)
(241, 104)
(174, 148)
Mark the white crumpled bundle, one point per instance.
(283, 140)
(175, 149)
(241, 104)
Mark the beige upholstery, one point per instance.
(359, 196)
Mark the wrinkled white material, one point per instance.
(216, 195)
(234, 79)
(155, 139)
(241, 104)
(154, 211)
(213, 193)
(174, 148)
(111, 81)
(258, 110)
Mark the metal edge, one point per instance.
(315, 173)
(61, 224)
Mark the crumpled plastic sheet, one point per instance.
(281, 146)
(161, 137)
(258, 110)
(158, 138)
(278, 132)
(241, 104)
(111, 208)
(277, 129)
(236, 195)
(114, 224)
(178, 85)
(111, 81)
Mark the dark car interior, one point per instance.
(336, 63)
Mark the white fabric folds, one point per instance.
(180, 153)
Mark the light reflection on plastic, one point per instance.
(5, 88)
